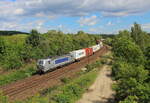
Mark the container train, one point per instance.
(49, 64)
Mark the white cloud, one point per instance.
(109, 23)
(146, 26)
(88, 21)
(23, 9)
(102, 30)
(19, 11)
(38, 24)
(73, 7)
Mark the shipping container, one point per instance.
(95, 48)
(78, 54)
(101, 44)
(89, 51)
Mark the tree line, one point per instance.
(131, 67)
(11, 32)
(37, 45)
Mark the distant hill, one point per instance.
(108, 35)
(11, 32)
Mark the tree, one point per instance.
(125, 34)
(139, 36)
(130, 99)
(34, 38)
(2, 46)
(80, 32)
(128, 51)
(123, 70)
(147, 54)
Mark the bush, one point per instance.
(3, 99)
(130, 99)
(73, 91)
(65, 80)
(17, 50)
(92, 66)
(132, 78)
(128, 51)
(123, 70)
(17, 75)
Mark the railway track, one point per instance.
(30, 86)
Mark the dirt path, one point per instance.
(100, 91)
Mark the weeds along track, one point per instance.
(28, 87)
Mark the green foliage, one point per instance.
(73, 91)
(147, 55)
(17, 50)
(17, 75)
(131, 67)
(48, 91)
(2, 46)
(128, 51)
(130, 99)
(65, 80)
(11, 33)
(124, 34)
(70, 92)
(3, 99)
(90, 67)
(37, 99)
(131, 87)
(123, 70)
(67, 93)
(140, 37)
(34, 38)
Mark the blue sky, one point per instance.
(92, 16)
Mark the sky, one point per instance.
(70, 16)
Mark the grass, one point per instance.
(17, 75)
(3, 99)
(71, 90)
(68, 93)
(15, 39)
(74, 90)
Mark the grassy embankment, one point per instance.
(17, 55)
(70, 91)
(72, 88)
(25, 71)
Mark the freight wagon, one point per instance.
(49, 64)
(78, 54)
(101, 44)
(89, 51)
(96, 48)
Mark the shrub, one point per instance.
(123, 70)
(17, 75)
(92, 66)
(3, 99)
(130, 99)
(65, 80)
(127, 50)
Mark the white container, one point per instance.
(95, 48)
(78, 54)
(101, 44)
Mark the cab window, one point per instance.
(49, 62)
(41, 62)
